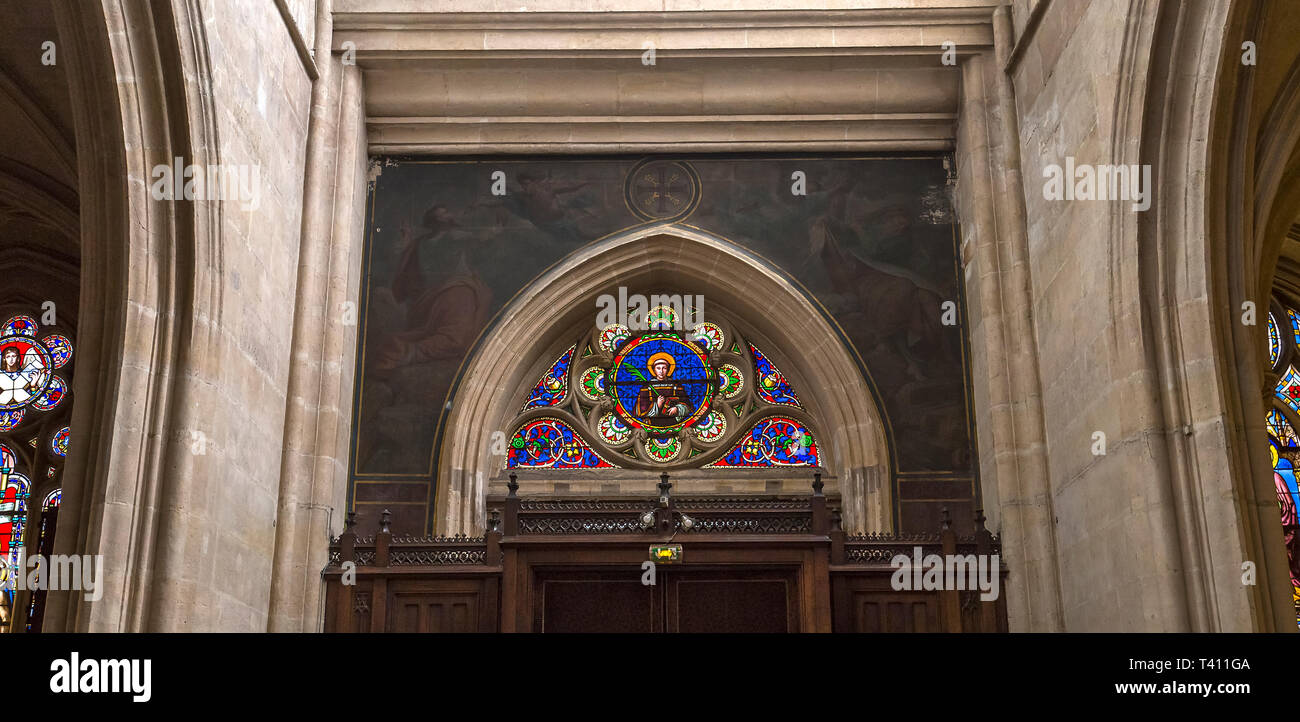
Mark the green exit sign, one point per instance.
(667, 554)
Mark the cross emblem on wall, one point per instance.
(662, 189)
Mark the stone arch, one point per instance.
(513, 353)
(150, 297)
(1181, 273)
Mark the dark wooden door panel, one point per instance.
(731, 605)
(706, 600)
(881, 612)
(595, 603)
(436, 614)
(425, 607)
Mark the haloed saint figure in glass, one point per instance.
(19, 381)
(662, 401)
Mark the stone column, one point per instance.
(315, 455)
(1000, 294)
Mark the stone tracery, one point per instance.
(665, 397)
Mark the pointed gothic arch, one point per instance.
(151, 290)
(537, 324)
(1182, 274)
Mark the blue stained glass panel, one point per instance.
(550, 391)
(771, 384)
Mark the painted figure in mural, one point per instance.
(446, 300)
(18, 382)
(435, 306)
(862, 240)
(662, 401)
(538, 201)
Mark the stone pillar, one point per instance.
(1013, 409)
(315, 456)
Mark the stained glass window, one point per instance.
(1284, 444)
(44, 547)
(554, 384)
(14, 489)
(1288, 388)
(27, 366)
(29, 360)
(13, 513)
(613, 336)
(1274, 342)
(552, 444)
(660, 382)
(35, 369)
(1281, 430)
(59, 442)
(1288, 496)
(667, 396)
(772, 386)
(774, 441)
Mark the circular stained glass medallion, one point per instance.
(24, 370)
(53, 395)
(10, 418)
(660, 382)
(663, 450)
(711, 427)
(709, 336)
(612, 336)
(592, 384)
(59, 443)
(731, 381)
(661, 318)
(613, 430)
(60, 349)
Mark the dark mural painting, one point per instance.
(872, 240)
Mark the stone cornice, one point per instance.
(393, 35)
(573, 82)
(370, 18)
(461, 136)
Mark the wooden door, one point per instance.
(594, 601)
(731, 601)
(723, 599)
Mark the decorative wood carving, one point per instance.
(833, 581)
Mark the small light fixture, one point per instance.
(666, 554)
